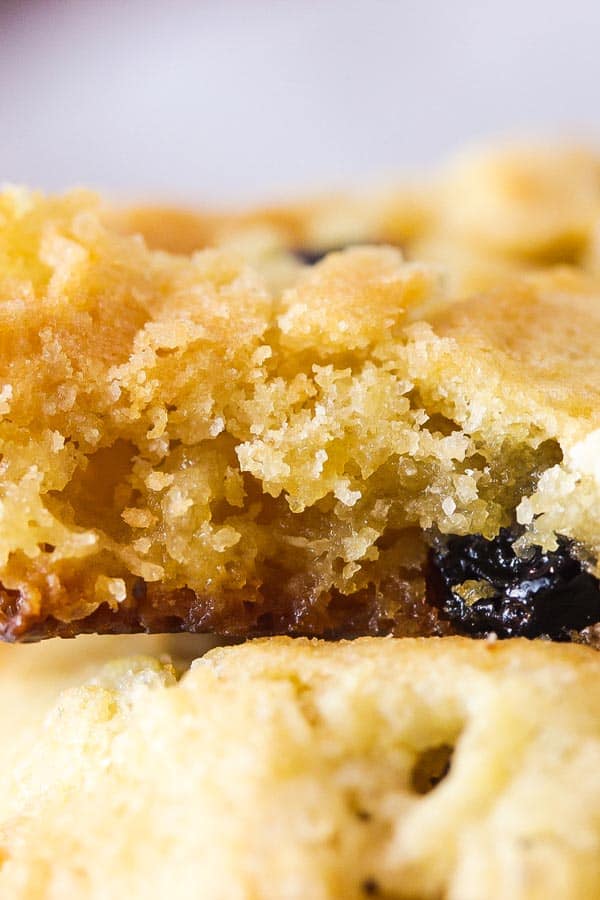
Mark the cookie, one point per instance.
(32, 676)
(284, 769)
(486, 215)
(187, 446)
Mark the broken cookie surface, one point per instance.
(186, 447)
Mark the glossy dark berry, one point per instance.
(541, 594)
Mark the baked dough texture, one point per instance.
(293, 768)
(247, 444)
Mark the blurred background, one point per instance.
(236, 100)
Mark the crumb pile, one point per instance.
(184, 446)
(391, 768)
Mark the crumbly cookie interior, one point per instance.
(190, 443)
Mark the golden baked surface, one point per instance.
(236, 442)
(294, 769)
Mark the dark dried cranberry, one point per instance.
(538, 594)
(312, 255)
(309, 256)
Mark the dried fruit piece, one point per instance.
(488, 587)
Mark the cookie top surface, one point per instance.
(32, 676)
(294, 768)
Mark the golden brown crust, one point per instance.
(396, 607)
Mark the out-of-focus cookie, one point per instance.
(294, 769)
(31, 677)
(489, 213)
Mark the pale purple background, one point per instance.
(240, 99)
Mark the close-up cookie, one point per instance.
(299, 451)
(32, 676)
(486, 214)
(190, 445)
(293, 769)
